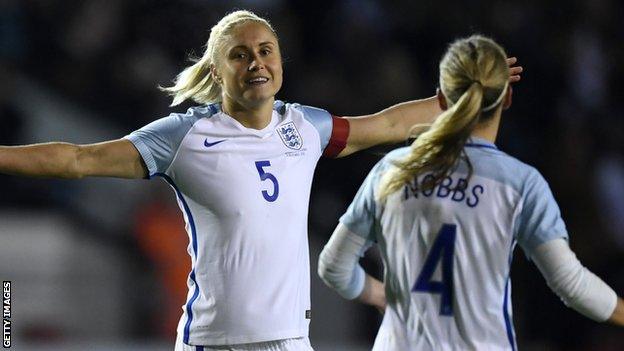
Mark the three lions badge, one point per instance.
(290, 136)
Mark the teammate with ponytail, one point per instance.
(447, 213)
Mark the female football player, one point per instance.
(447, 213)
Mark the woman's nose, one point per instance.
(255, 64)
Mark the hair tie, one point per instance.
(498, 100)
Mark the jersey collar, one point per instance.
(480, 143)
(262, 133)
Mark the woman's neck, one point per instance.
(256, 117)
(488, 130)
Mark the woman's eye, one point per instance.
(265, 52)
(240, 56)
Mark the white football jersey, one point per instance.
(244, 194)
(447, 251)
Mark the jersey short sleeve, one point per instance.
(540, 219)
(360, 216)
(321, 120)
(158, 141)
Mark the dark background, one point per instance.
(87, 71)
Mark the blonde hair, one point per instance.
(473, 77)
(196, 82)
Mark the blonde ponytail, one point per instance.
(196, 82)
(473, 78)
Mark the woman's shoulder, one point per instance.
(282, 107)
(501, 167)
(389, 159)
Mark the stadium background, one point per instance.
(99, 263)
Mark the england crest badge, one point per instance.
(290, 136)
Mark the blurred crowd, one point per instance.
(103, 60)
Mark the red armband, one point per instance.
(339, 136)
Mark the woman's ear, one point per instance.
(215, 74)
(508, 98)
(441, 100)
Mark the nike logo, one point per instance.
(207, 144)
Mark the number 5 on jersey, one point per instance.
(260, 165)
(442, 250)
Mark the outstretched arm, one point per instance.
(577, 287)
(117, 158)
(391, 125)
(394, 124)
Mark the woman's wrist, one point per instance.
(373, 294)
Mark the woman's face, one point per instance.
(250, 66)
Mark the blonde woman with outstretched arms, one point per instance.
(241, 165)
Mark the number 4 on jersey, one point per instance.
(443, 249)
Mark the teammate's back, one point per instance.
(447, 250)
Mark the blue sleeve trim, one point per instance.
(356, 285)
(360, 217)
(540, 218)
(321, 120)
(158, 142)
(145, 153)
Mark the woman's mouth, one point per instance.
(257, 81)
